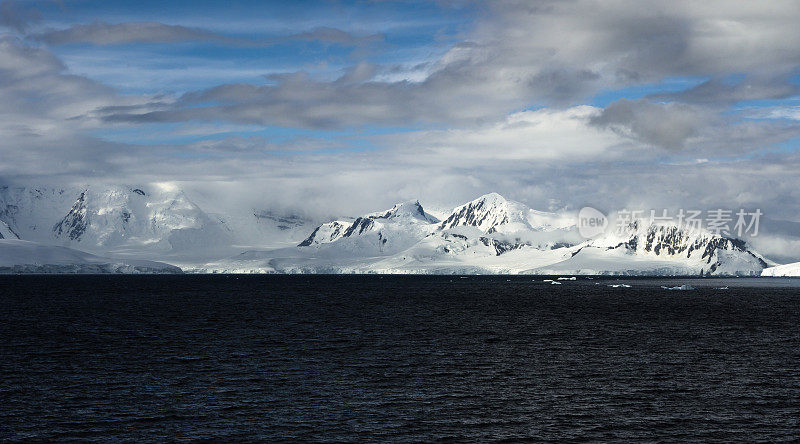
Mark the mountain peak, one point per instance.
(404, 214)
(493, 196)
(411, 208)
(486, 213)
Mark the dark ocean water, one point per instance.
(359, 358)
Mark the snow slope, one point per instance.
(792, 269)
(18, 256)
(6, 232)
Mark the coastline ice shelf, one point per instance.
(787, 270)
(19, 256)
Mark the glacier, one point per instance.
(786, 270)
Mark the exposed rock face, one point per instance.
(74, 224)
(701, 251)
(671, 241)
(6, 232)
(326, 233)
(283, 221)
(485, 213)
(501, 246)
(406, 213)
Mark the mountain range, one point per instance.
(490, 234)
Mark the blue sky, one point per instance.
(405, 35)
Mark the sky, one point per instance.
(348, 107)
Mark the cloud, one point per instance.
(545, 53)
(775, 112)
(17, 17)
(102, 33)
(39, 97)
(647, 40)
(359, 73)
(706, 131)
(720, 92)
(45, 112)
(543, 135)
(665, 125)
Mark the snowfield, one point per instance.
(18, 256)
(787, 270)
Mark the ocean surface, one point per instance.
(397, 358)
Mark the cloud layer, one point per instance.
(102, 33)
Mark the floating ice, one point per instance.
(680, 287)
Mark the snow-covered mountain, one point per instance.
(18, 256)
(494, 235)
(490, 234)
(493, 213)
(144, 221)
(788, 270)
(161, 219)
(648, 249)
(385, 230)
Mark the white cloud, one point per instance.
(551, 135)
(787, 112)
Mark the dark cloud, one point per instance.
(721, 92)
(648, 40)
(562, 86)
(665, 125)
